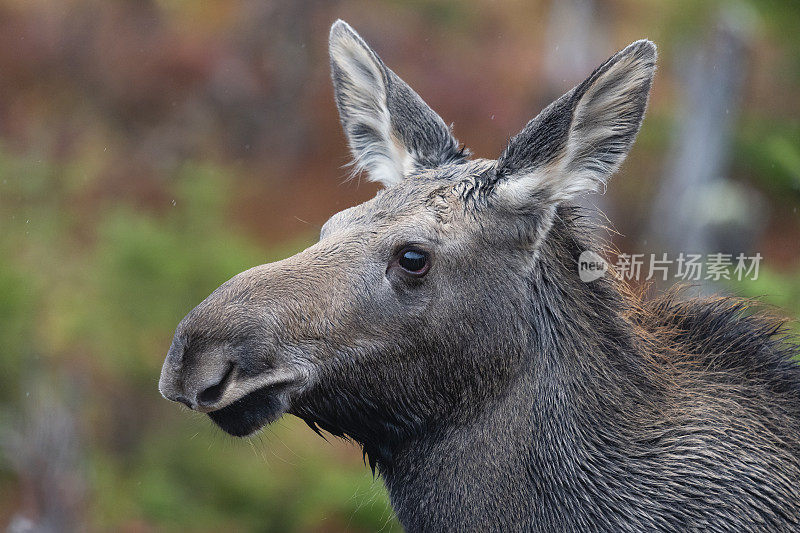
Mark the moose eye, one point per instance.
(414, 261)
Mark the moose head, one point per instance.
(413, 310)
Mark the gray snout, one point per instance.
(200, 381)
(226, 347)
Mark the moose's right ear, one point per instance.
(577, 142)
(391, 131)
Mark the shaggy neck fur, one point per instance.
(620, 417)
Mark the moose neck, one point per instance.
(523, 456)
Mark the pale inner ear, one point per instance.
(361, 98)
(575, 144)
(546, 182)
(605, 122)
(391, 131)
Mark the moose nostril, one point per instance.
(185, 401)
(212, 394)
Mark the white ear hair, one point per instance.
(361, 91)
(581, 139)
(391, 131)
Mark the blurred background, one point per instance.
(151, 149)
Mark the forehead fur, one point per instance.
(441, 193)
(455, 185)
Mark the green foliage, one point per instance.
(781, 290)
(189, 483)
(17, 316)
(147, 272)
(116, 301)
(768, 151)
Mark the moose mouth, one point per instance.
(252, 412)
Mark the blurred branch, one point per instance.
(43, 448)
(697, 208)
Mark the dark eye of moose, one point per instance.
(414, 261)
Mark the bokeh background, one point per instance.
(150, 149)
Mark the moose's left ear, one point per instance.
(577, 142)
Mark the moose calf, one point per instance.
(443, 326)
